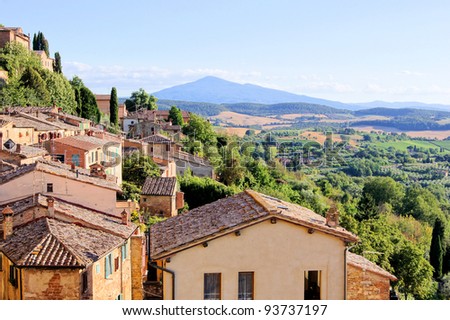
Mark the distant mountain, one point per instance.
(401, 105)
(215, 90)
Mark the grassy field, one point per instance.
(444, 144)
(403, 145)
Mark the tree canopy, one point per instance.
(141, 99)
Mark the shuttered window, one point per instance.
(108, 265)
(212, 286)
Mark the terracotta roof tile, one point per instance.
(82, 142)
(49, 242)
(229, 213)
(157, 138)
(159, 186)
(365, 264)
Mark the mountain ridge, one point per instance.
(215, 90)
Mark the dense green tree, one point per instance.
(437, 248)
(200, 191)
(89, 107)
(414, 272)
(378, 191)
(137, 167)
(114, 108)
(421, 204)
(57, 65)
(176, 116)
(40, 43)
(38, 93)
(30, 84)
(141, 99)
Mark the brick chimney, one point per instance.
(7, 222)
(125, 217)
(332, 217)
(51, 207)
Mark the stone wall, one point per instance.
(164, 206)
(137, 267)
(51, 284)
(366, 285)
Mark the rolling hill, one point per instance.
(215, 90)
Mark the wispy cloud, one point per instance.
(102, 78)
(410, 73)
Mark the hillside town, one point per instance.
(74, 227)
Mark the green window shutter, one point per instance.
(108, 265)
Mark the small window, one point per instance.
(144, 199)
(1, 262)
(97, 268)
(312, 285)
(13, 276)
(84, 281)
(212, 286)
(49, 187)
(116, 264)
(119, 297)
(124, 251)
(245, 291)
(108, 265)
(167, 147)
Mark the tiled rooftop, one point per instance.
(159, 186)
(84, 142)
(157, 138)
(29, 151)
(22, 122)
(59, 169)
(226, 214)
(47, 242)
(365, 264)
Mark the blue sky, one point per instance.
(346, 50)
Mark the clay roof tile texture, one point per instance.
(230, 213)
(159, 186)
(365, 264)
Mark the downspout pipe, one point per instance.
(155, 265)
(345, 268)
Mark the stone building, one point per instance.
(366, 280)
(161, 197)
(14, 34)
(51, 249)
(252, 246)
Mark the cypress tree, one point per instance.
(57, 67)
(437, 248)
(114, 108)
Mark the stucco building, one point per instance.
(251, 246)
(59, 180)
(86, 151)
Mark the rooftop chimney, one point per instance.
(51, 207)
(332, 218)
(18, 148)
(7, 222)
(125, 217)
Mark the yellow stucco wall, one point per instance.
(278, 254)
(119, 282)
